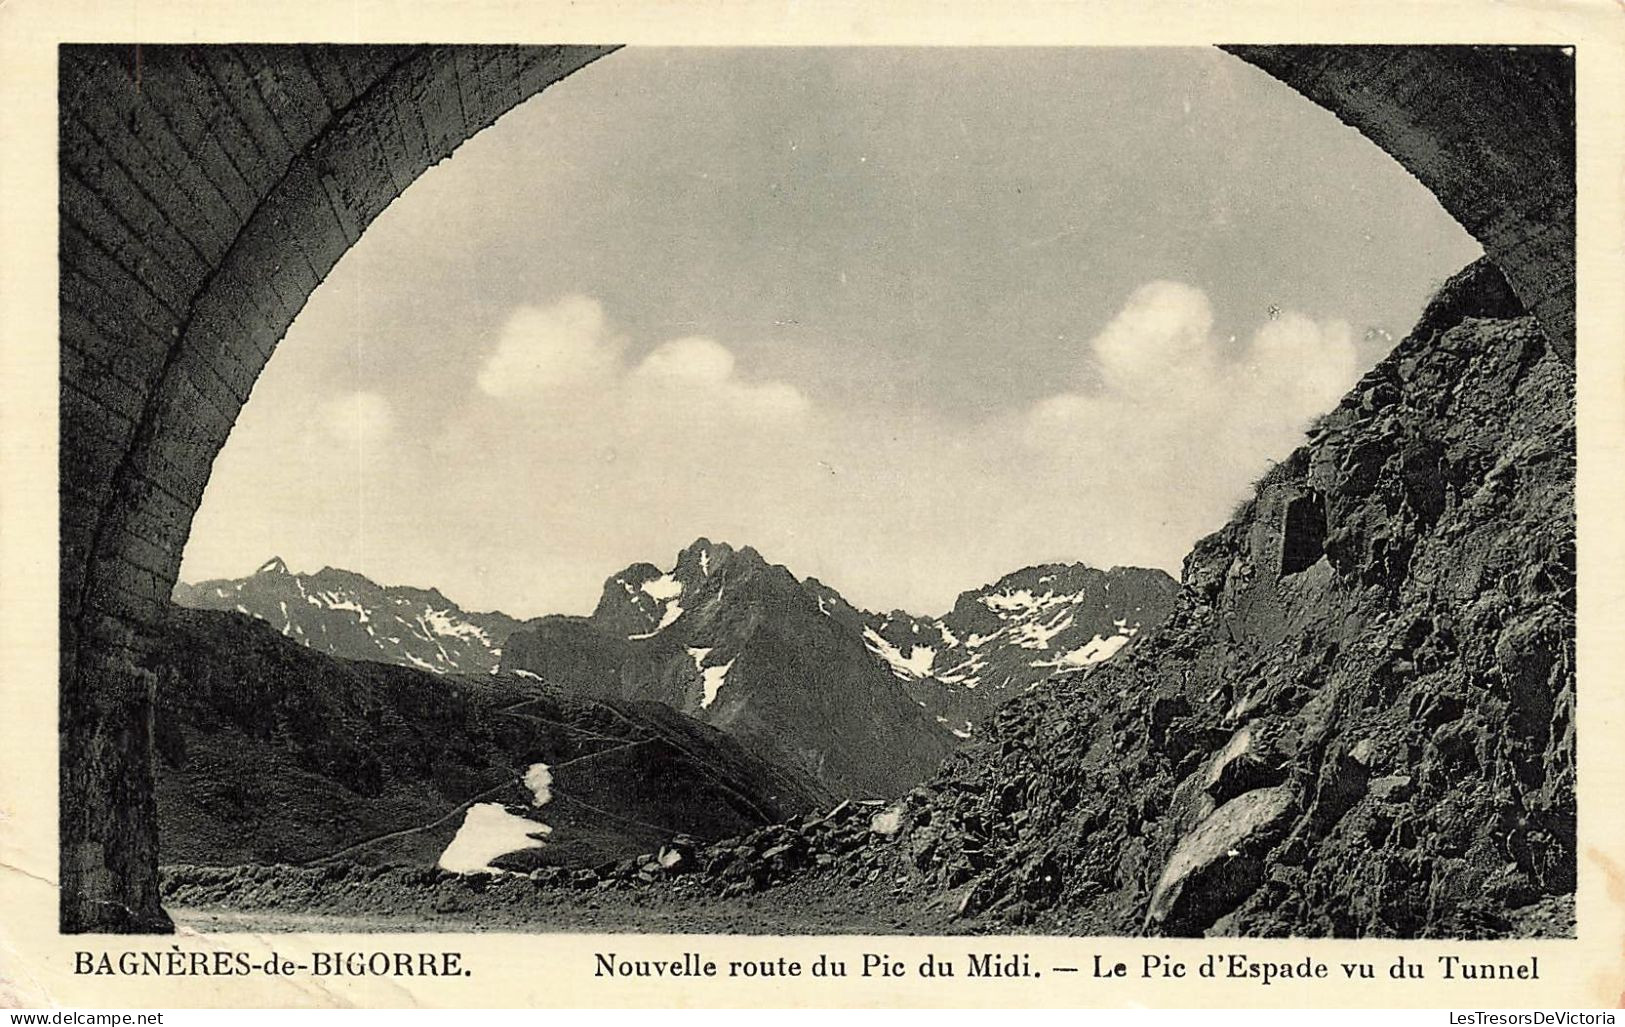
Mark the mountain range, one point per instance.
(864, 703)
(345, 614)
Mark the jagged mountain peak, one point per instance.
(697, 560)
(729, 638)
(643, 600)
(275, 565)
(339, 577)
(704, 557)
(1041, 578)
(639, 601)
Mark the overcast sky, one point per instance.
(904, 320)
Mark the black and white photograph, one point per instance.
(811, 505)
(812, 490)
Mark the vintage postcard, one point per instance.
(827, 505)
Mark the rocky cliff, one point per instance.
(1359, 719)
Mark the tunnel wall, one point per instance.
(1488, 129)
(206, 192)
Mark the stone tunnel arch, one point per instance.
(207, 191)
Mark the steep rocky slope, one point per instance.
(1359, 719)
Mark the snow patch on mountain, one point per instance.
(421, 664)
(917, 664)
(444, 622)
(488, 832)
(1023, 601)
(673, 611)
(1098, 650)
(664, 588)
(668, 617)
(1037, 636)
(335, 601)
(712, 679)
(539, 779)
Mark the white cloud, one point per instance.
(566, 345)
(1167, 422)
(688, 360)
(1160, 352)
(697, 371)
(1175, 403)
(567, 357)
(1300, 367)
(1162, 337)
(359, 417)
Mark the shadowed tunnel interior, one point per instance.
(205, 192)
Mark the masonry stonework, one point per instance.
(205, 193)
(1489, 129)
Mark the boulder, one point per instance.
(1219, 863)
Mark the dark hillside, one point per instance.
(273, 752)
